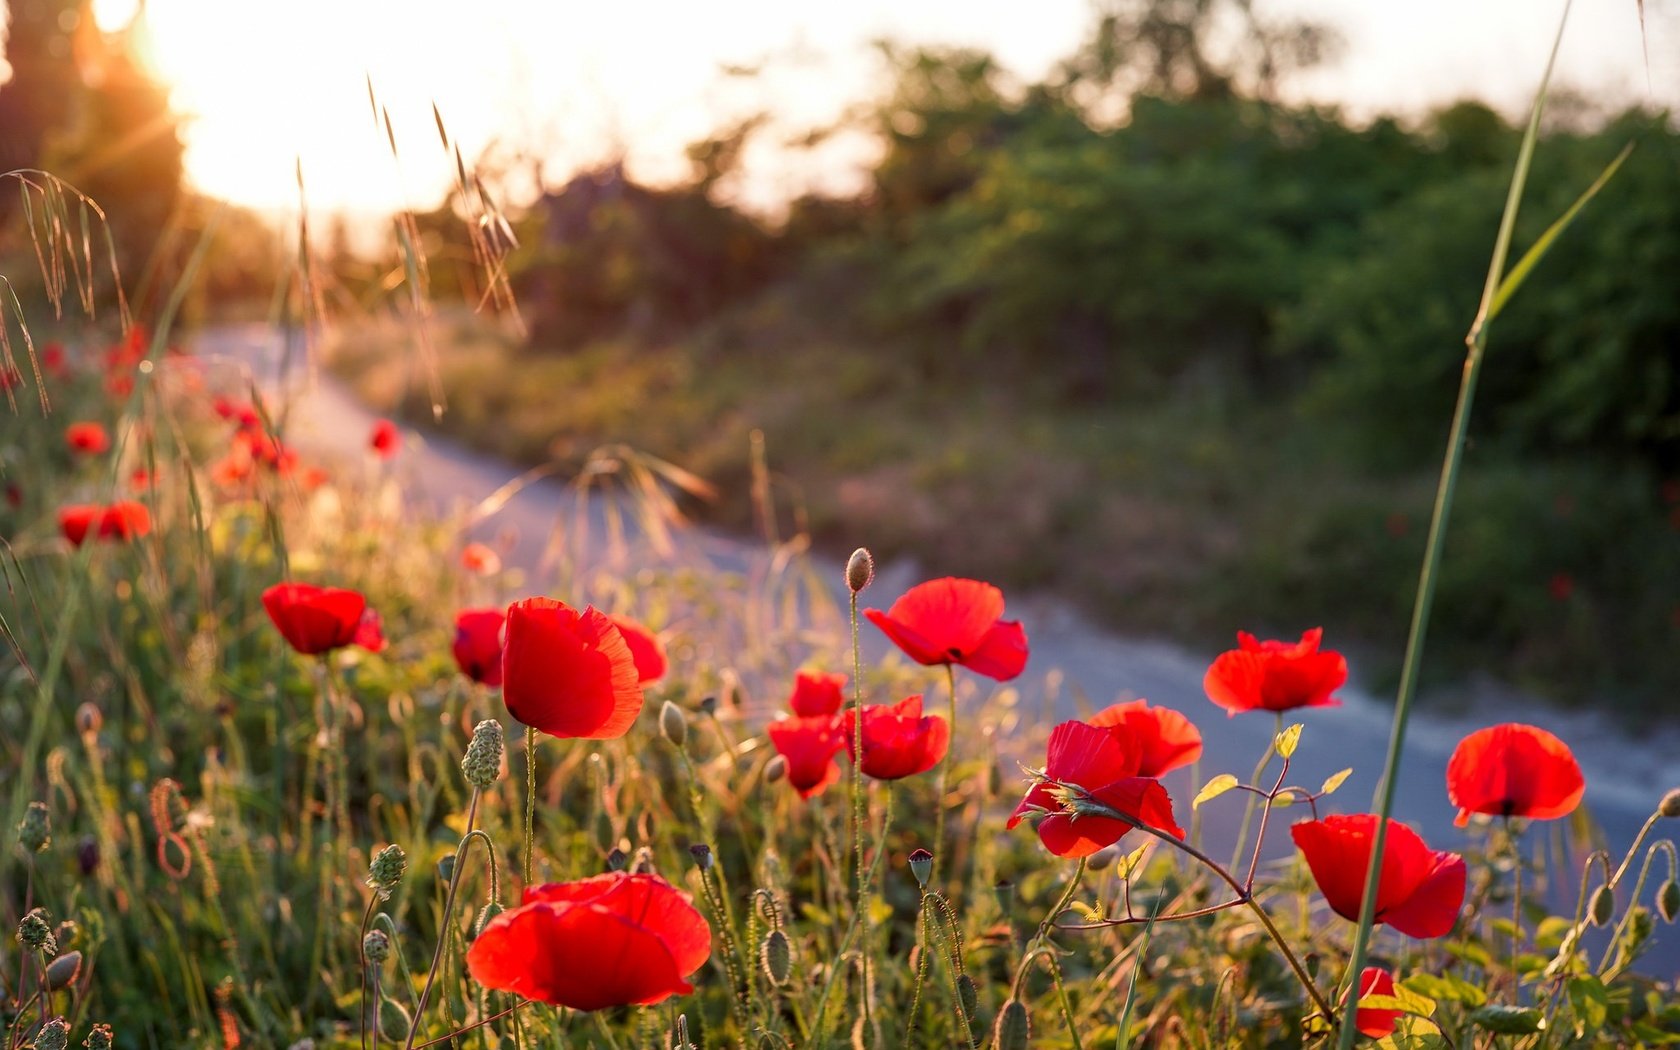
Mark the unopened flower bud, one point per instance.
(1013, 1028)
(776, 956)
(446, 867)
(89, 718)
(482, 765)
(54, 1035)
(775, 769)
(376, 947)
(968, 994)
(1670, 804)
(35, 829)
(394, 1021)
(860, 570)
(100, 1038)
(1603, 906)
(387, 869)
(485, 914)
(921, 866)
(1101, 859)
(62, 971)
(1668, 901)
(35, 932)
(702, 855)
(674, 724)
(708, 705)
(616, 859)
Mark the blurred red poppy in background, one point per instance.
(1378, 1024)
(956, 621)
(77, 520)
(568, 673)
(808, 746)
(1276, 676)
(816, 693)
(87, 438)
(478, 644)
(53, 361)
(645, 648)
(316, 620)
(898, 740)
(1419, 890)
(124, 520)
(612, 940)
(479, 559)
(385, 440)
(1165, 739)
(1105, 765)
(1514, 770)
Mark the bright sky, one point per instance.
(574, 82)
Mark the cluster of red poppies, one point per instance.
(580, 674)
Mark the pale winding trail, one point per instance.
(1625, 776)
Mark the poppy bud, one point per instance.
(394, 1022)
(89, 718)
(616, 859)
(708, 705)
(376, 947)
(775, 769)
(34, 932)
(968, 995)
(446, 867)
(702, 855)
(62, 971)
(1670, 805)
(1668, 900)
(776, 956)
(1603, 906)
(1013, 1029)
(65, 934)
(99, 1038)
(35, 829)
(387, 869)
(54, 1035)
(860, 570)
(921, 866)
(674, 724)
(1101, 858)
(485, 914)
(482, 765)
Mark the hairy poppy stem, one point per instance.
(1042, 937)
(944, 774)
(444, 925)
(459, 1032)
(530, 803)
(860, 907)
(1248, 807)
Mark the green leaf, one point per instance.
(1213, 789)
(1591, 1002)
(1508, 1020)
(1446, 987)
(1287, 741)
(1334, 781)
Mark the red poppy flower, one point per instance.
(1275, 676)
(1166, 740)
(816, 694)
(76, 521)
(142, 479)
(10, 377)
(1378, 1024)
(898, 740)
(477, 558)
(1514, 770)
(478, 644)
(645, 648)
(52, 358)
(316, 620)
(1104, 764)
(86, 438)
(385, 440)
(124, 520)
(14, 495)
(612, 940)
(955, 621)
(567, 673)
(1419, 890)
(808, 745)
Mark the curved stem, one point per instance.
(444, 925)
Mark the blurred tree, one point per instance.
(39, 84)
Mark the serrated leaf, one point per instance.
(1334, 781)
(1287, 741)
(1508, 1020)
(1213, 789)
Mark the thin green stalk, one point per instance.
(1248, 807)
(444, 924)
(530, 801)
(1477, 341)
(854, 784)
(944, 777)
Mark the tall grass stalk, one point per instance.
(1496, 291)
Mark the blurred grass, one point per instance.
(1187, 515)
